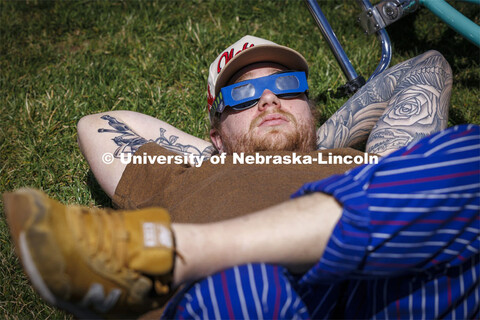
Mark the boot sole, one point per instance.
(36, 210)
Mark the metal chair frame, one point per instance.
(374, 19)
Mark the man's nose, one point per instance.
(267, 100)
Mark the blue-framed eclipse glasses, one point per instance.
(245, 94)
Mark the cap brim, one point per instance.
(285, 56)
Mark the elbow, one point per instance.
(87, 128)
(439, 61)
(82, 129)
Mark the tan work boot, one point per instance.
(92, 262)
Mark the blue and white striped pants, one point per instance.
(406, 246)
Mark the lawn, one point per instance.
(61, 60)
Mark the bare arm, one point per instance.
(294, 234)
(117, 132)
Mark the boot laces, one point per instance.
(103, 236)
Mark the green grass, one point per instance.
(62, 60)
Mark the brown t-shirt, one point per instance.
(214, 192)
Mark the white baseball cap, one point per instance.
(244, 52)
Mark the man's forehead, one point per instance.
(252, 71)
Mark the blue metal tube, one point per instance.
(384, 39)
(386, 53)
(332, 40)
(454, 19)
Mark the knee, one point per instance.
(247, 291)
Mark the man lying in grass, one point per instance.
(368, 242)
(402, 105)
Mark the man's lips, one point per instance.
(274, 119)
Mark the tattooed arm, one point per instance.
(418, 107)
(399, 106)
(117, 132)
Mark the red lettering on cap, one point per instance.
(210, 98)
(228, 56)
(245, 46)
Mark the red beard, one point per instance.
(302, 139)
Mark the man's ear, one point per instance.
(217, 140)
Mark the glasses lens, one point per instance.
(287, 83)
(290, 95)
(243, 92)
(245, 105)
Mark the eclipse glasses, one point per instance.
(245, 94)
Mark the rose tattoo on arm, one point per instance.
(401, 105)
(418, 108)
